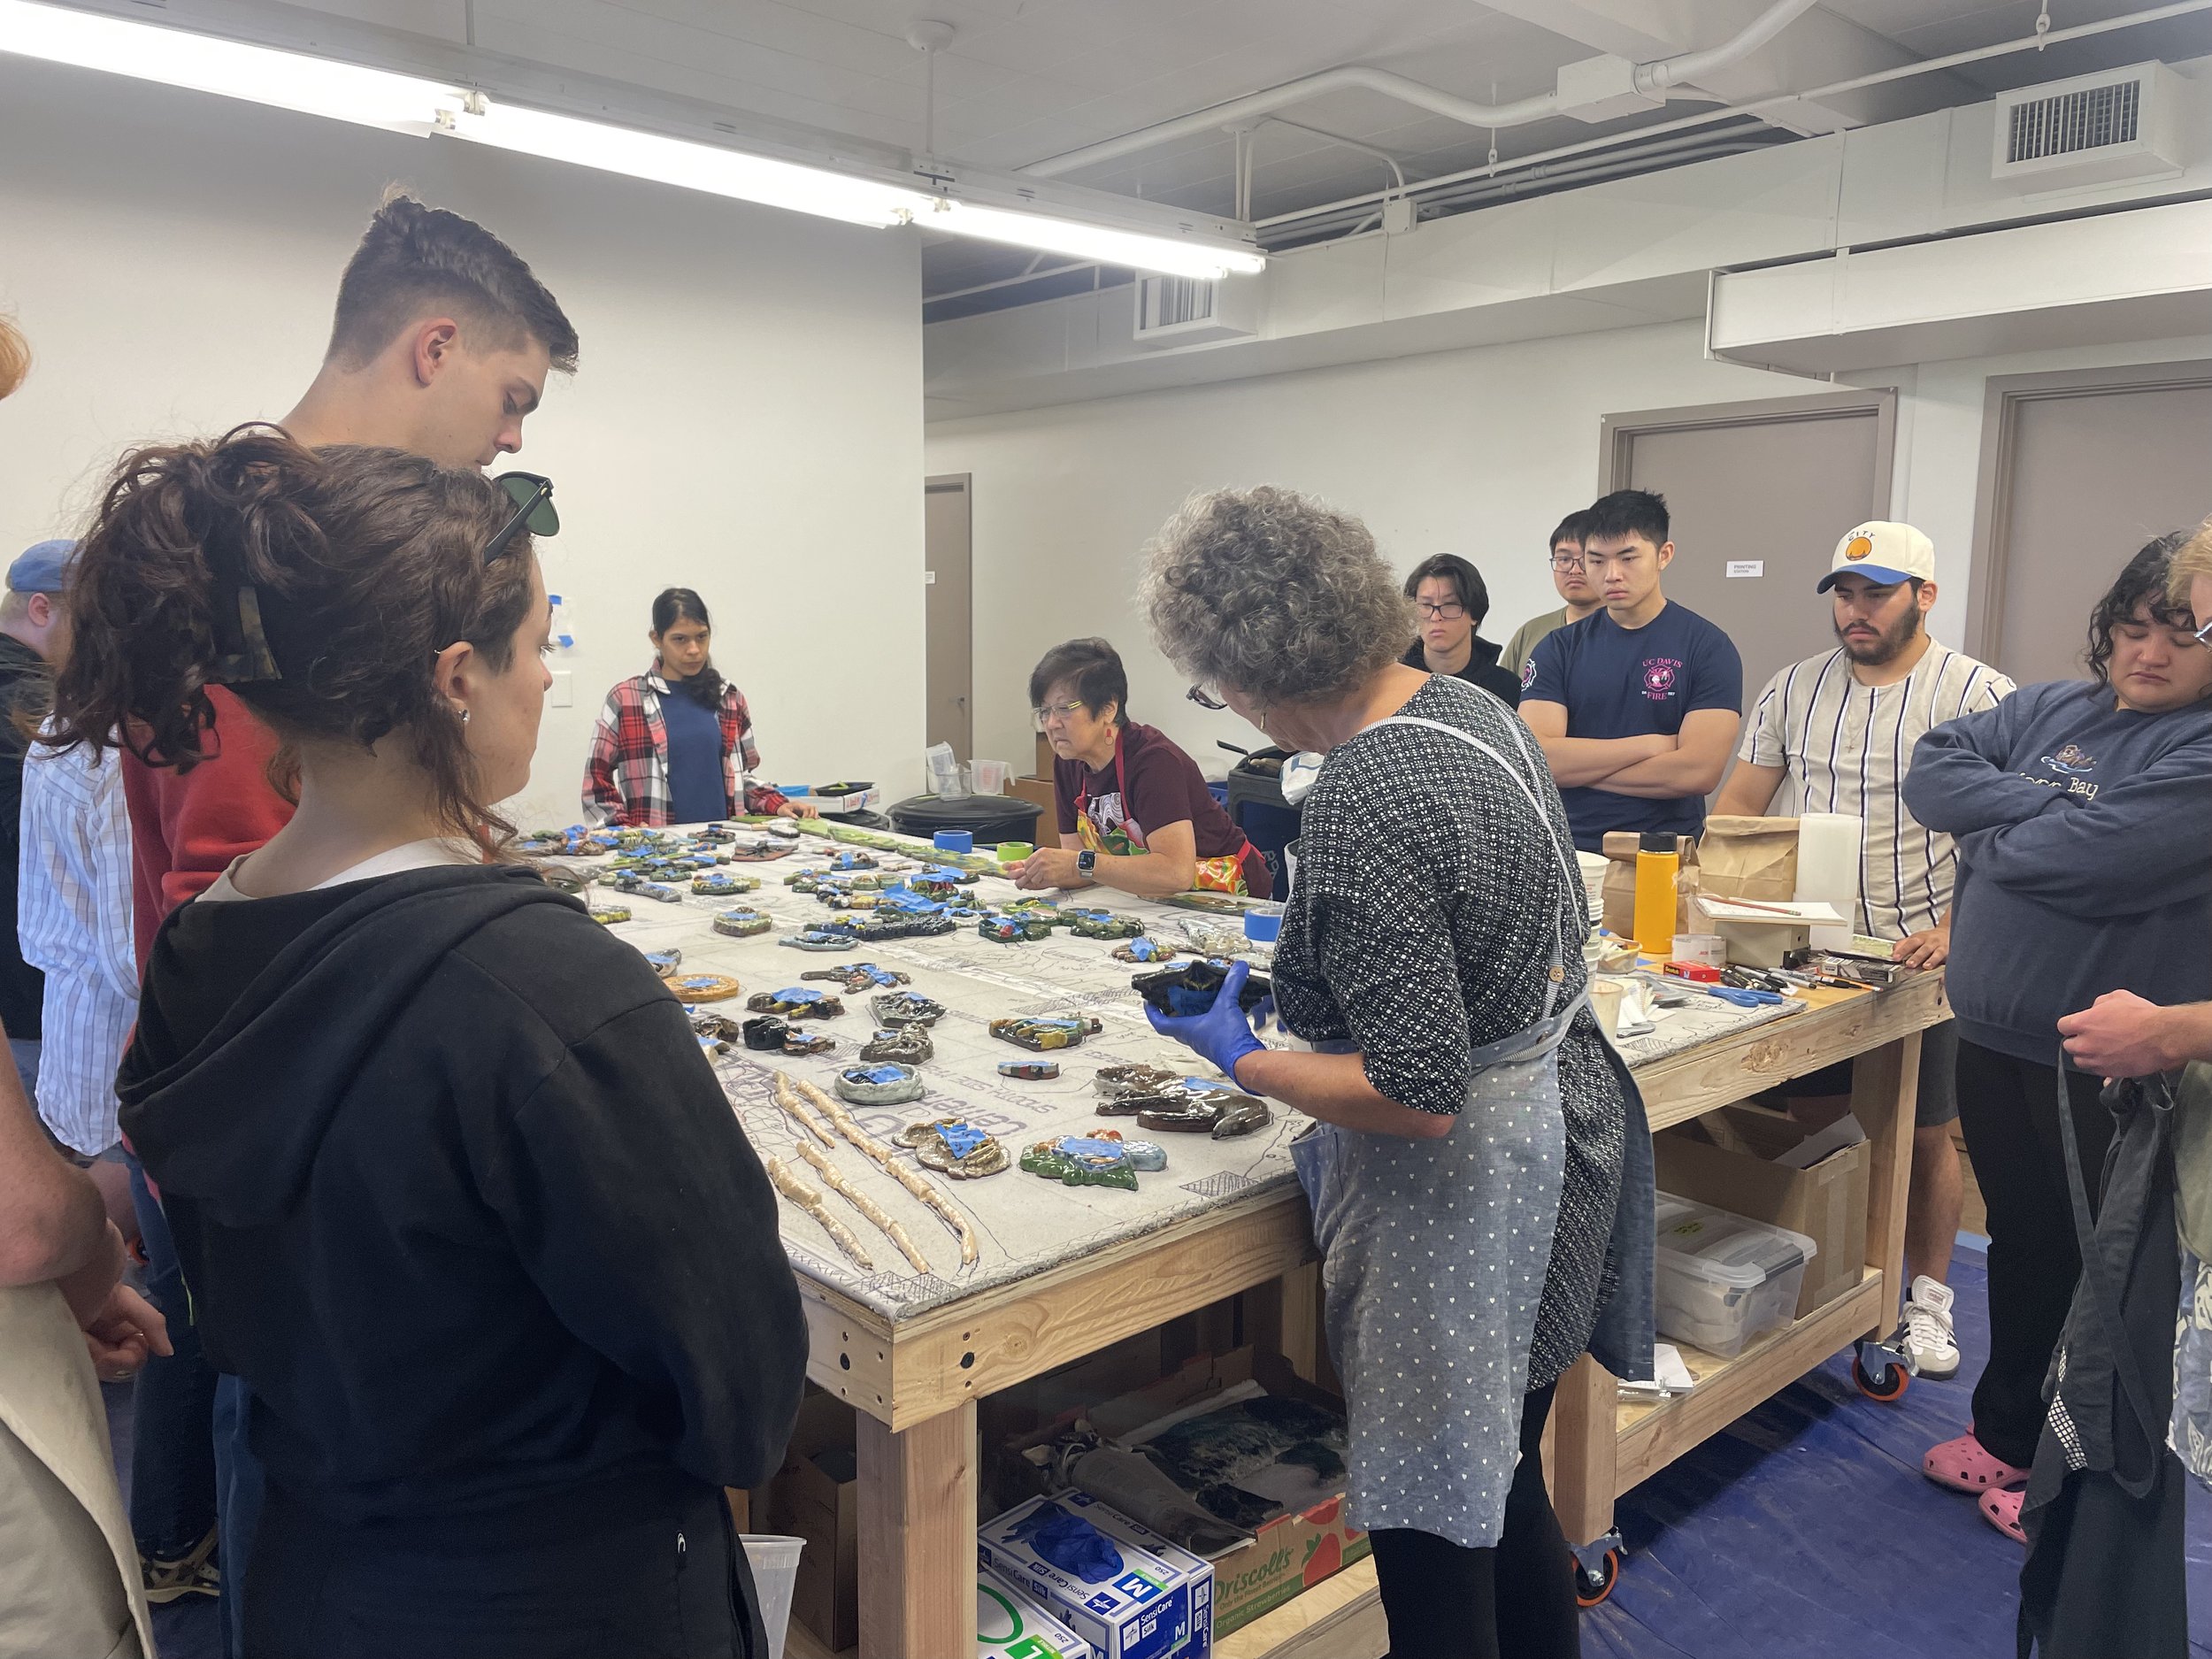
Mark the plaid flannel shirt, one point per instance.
(625, 781)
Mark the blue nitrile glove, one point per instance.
(1222, 1034)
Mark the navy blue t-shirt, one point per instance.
(695, 795)
(1620, 682)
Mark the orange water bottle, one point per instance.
(1658, 867)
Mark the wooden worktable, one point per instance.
(916, 1383)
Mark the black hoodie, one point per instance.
(460, 1199)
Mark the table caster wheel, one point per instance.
(1593, 1585)
(1887, 1383)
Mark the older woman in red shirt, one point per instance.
(1134, 811)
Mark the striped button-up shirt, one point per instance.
(1847, 747)
(74, 920)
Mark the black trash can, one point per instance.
(1256, 806)
(990, 818)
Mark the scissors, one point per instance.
(1736, 996)
(1741, 997)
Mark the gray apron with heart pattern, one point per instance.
(1433, 1260)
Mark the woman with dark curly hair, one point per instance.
(457, 1194)
(1479, 1169)
(2082, 811)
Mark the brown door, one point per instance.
(2083, 470)
(948, 613)
(1760, 494)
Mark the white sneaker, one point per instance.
(1929, 1348)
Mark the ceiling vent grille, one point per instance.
(1174, 310)
(2095, 118)
(2101, 128)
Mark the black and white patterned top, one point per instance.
(1422, 924)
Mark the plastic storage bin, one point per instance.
(1724, 1280)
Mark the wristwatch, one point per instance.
(1086, 862)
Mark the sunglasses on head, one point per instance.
(532, 497)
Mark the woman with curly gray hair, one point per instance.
(1479, 1169)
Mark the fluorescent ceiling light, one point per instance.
(677, 161)
(231, 69)
(406, 104)
(1145, 250)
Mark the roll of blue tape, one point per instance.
(1262, 928)
(954, 842)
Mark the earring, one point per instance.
(462, 710)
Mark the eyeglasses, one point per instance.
(532, 497)
(1199, 696)
(1566, 561)
(1450, 608)
(2204, 634)
(1055, 711)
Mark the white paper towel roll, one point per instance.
(1828, 871)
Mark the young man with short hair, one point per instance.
(1835, 733)
(440, 345)
(1638, 705)
(1573, 584)
(1449, 602)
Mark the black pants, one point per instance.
(2008, 1109)
(1514, 1602)
(647, 1570)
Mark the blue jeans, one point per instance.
(172, 1437)
(238, 1494)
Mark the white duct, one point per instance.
(1653, 78)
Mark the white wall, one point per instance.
(1476, 452)
(746, 421)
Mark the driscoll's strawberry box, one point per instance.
(1291, 1553)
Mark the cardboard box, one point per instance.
(1010, 1624)
(1827, 1202)
(1291, 1552)
(1039, 793)
(1159, 1606)
(822, 1505)
(1042, 766)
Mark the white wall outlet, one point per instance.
(564, 691)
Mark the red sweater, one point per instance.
(187, 828)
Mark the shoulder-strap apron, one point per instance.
(1434, 1257)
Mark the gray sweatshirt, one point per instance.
(2085, 842)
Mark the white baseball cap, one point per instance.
(1882, 552)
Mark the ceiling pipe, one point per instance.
(1651, 78)
(1688, 67)
(1700, 147)
(1251, 107)
(1755, 107)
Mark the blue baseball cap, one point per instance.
(41, 568)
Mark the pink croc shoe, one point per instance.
(1965, 1465)
(2001, 1511)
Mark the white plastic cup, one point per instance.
(1593, 866)
(774, 1560)
(991, 776)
